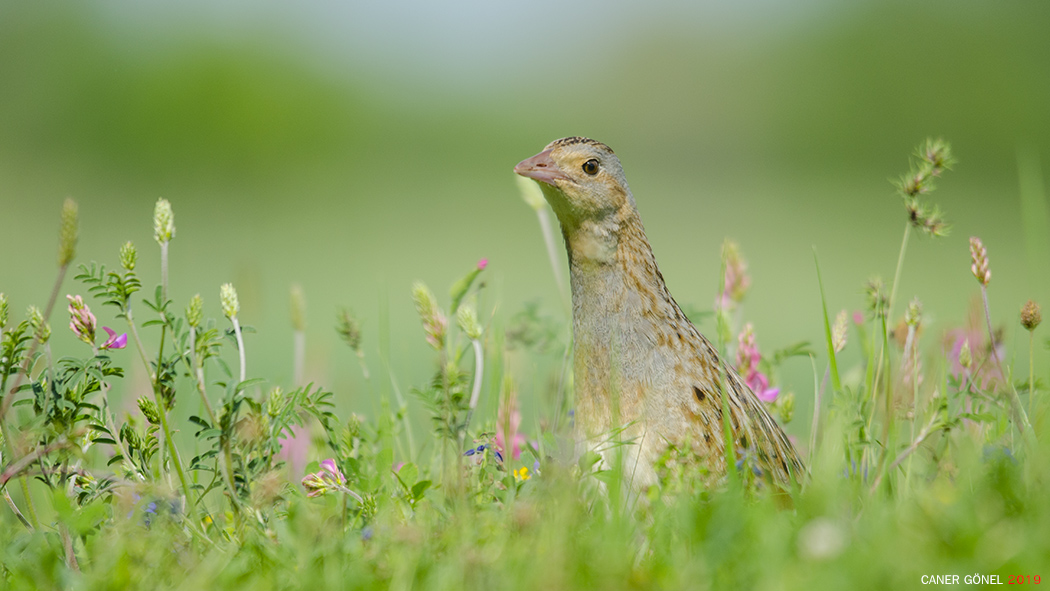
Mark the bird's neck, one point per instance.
(619, 301)
(612, 268)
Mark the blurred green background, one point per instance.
(353, 148)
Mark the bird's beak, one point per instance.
(541, 168)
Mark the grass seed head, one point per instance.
(1031, 316)
(348, 328)
(979, 261)
(67, 236)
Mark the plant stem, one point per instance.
(198, 372)
(1015, 401)
(727, 430)
(14, 509)
(163, 412)
(817, 396)
(240, 346)
(1031, 370)
(833, 367)
(107, 416)
(552, 253)
(298, 356)
(927, 430)
(897, 273)
(29, 501)
(479, 368)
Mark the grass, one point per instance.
(923, 458)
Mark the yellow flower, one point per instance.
(522, 474)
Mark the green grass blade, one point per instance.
(836, 384)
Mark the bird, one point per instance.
(640, 367)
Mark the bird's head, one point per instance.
(581, 178)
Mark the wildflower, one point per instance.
(332, 469)
(41, 329)
(482, 264)
(858, 317)
(228, 298)
(435, 325)
(113, 341)
(838, 332)
(522, 474)
(128, 256)
(979, 256)
(328, 479)
(508, 422)
(67, 234)
(737, 280)
(747, 359)
(163, 222)
(82, 321)
(1030, 315)
(194, 311)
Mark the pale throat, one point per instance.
(604, 292)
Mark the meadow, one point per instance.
(341, 333)
(925, 459)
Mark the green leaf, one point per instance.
(460, 288)
(408, 474)
(419, 489)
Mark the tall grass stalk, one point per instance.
(1020, 417)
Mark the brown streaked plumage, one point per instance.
(634, 348)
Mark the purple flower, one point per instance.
(327, 480)
(114, 342)
(333, 470)
(747, 358)
(759, 384)
(81, 321)
(508, 420)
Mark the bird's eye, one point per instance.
(591, 167)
